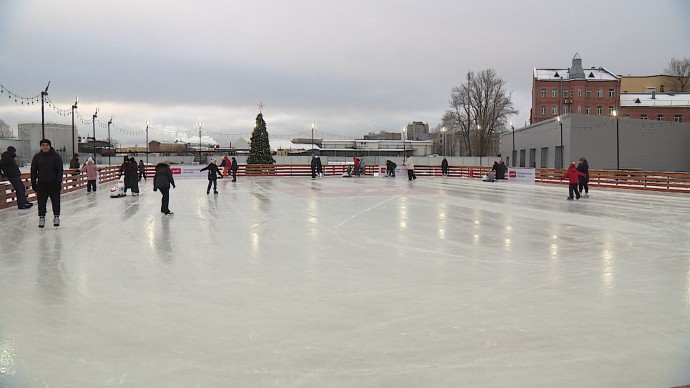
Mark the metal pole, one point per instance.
(73, 129)
(562, 150)
(43, 115)
(109, 140)
(618, 151)
(512, 155)
(199, 142)
(147, 142)
(93, 144)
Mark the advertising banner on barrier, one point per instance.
(521, 174)
(187, 171)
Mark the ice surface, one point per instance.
(360, 282)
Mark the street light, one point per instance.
(147, 141)
(404, 136)
(561, 124)
(199, 124)
(512, 155)
(312, 139)
(93, 144)
(109, 145)
(43, 115)
(73, 141)
(443, 131)
(618, 151)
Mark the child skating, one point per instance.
(573, 179)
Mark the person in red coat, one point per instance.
(573, 179)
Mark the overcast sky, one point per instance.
(351, 67)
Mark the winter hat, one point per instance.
(45, 141)
(89, 160)
(11, 149)
(572, 165)
(213, 161)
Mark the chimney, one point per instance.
(576, 71)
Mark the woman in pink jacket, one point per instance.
(573, 179)
(91, 174)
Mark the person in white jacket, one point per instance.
(410, 168)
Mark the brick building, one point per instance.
(593, 91)
(656, 97)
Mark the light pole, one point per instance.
(479, 151)
(43, 115)
(618, 151)
(561, 124)
(312, 139)
(404, 136)
(93, 144)
(73, 130)
(512, 154)
(147, 141)
(443, 131)
(109, 145)
(199, 124)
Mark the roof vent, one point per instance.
(637, 101)
(556, 75)
(591, 75)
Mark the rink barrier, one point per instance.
(678, 182)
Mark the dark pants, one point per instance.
(47, 190)
(444, 170)
(583, 185)
(90, 185)
(20, 189)
(165, 201)
(411, 175)
(572, 188)
(313, 173)
(142, 174)
(213, 182)
(234, 176)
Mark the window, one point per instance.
(554, 93)
(543, 92)
(611, 111)
(588, 111)
(522, 159)
(678, 118)
(543, 110)
(588, 94)
(579, 92)
(565, 93)
(600, 110)
(579, 109)
(554, 110)
(612, 93)
(565, 110)
(643, 116)
(544, 157)
(533, 157)
(660, 117)
(600, 93)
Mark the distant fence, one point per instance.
(678, 182)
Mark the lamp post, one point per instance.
(512, 154)
(147, 141)
(443, 131)
(618, 151)
(479, 151)
(561, 124)
(73, 130)
(404, 136)
(93, 144)
(109, 145)
(312, 139)
(199, 125)
(43, 115)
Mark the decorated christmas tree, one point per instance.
(260, 149)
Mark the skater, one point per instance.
(356, 166)
(233, 169)
(444, 167)
(91, 174)
(226, 164)
(409, 165)
(583, 182)
(316, 167)
(46, 180)
(142, 170)
(9, 168)
(74, 162)
(133, 176)
(572, 174)
(501, 170)
(390, 168)
(362, 170)
(162, 181)
(213, 174)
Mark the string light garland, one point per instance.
(19, 99)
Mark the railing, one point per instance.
(622, 179)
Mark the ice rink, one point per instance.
(360, 282)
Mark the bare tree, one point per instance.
(680, 70)
(479, 110)
(5, 130)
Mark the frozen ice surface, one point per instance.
(369, 282)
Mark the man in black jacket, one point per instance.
(10, 169)
(46, 180)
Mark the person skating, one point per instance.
(225, 163)
(213, 174)
(583, 182)
(572, 174)
(142, 170)
(409, 165)
(233, 169)
(315, 166)
(91, 171)
(162, 181)
(9, 168)
(74, 162)
(444, 167)
(133, 176)
(46, 180)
